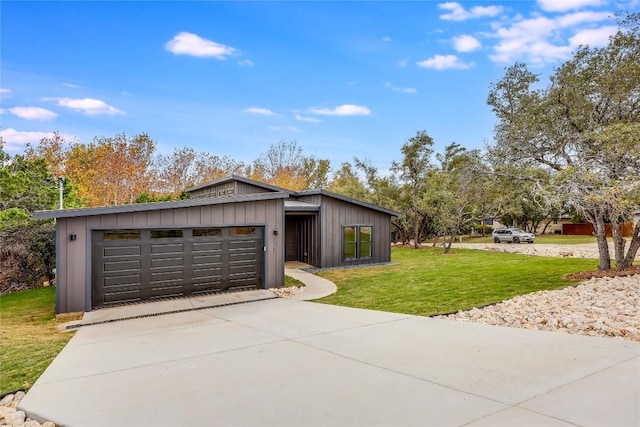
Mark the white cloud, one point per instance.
(457, 12)
(593, 37)
(246, 63)
(443, 62)
(15, 140)
(4, 91)
(466, 43)
(342, 110)
(88, 106)
(185, 43)
(33, 113)
(540, 40)
(386, 39)
(564, 5)
(400, 89)
(307, 119)
(71, 85)
(260, 111)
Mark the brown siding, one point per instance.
(334, 214)
(74, 257)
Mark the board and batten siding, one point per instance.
(229, 188)
(73, 260)
(334, 215)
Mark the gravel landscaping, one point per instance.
(600, 306)
(11, 417)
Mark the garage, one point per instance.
(129, 265)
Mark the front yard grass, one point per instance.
(29, 339)
(426, 282)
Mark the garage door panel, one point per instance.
(173, 263)
(207, 272)
(170, 289)
(167, 262)
(110, 251)
(209, 246)
(120, 297)
(244, 256)
(204, 260)
(121, 265)
(160, 276)
(235, 245)
(127, 279)
(167, 248)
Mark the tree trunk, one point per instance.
(435, 242)
(601, 236)
(633, 248)
(546, 225)
(618, 244)
(416, 231)
(447, 245)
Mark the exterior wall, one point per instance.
(229, 188)
(73, 264)
(334, 214)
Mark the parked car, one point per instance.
(512, 235)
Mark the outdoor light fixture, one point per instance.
(72, 237)
(275, 232)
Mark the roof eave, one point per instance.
(142, 207)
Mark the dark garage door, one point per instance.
(143, 264)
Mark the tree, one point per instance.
(111, 170)
(412, 171)
(285, 165)
(452, 192)
(583, 129)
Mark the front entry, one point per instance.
(299, 238)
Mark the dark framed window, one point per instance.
(163, 234)
(357, 241)
(242, 231)
(207, 232)
(121, 235)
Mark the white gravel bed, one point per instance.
(287, 292)
(567, 251)
(11, 417)
(607, 307)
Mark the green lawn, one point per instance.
(29, 339)
(427, 282)
(548, 239)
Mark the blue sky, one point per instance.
(343, 79)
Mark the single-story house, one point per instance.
(232, 234)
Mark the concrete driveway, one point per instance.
(284, 362)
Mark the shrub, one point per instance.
(27, 255)
(487, 229)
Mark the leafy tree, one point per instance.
(285, 165)
(412, 171)
(583, 129)
(111, 170)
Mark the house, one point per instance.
(233, 234)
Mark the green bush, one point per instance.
(487, 229)
(27, 255)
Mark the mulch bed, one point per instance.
(585, 275)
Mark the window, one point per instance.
(357, 242)
(242, 231)
(207, 232)
(162, 234)
(120, 235)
